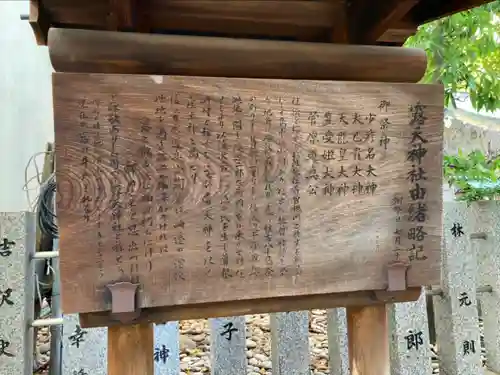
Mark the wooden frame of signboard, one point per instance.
(366, 308)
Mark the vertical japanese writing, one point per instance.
(296, 180)
(384, 123)
(313, 139)
(132, 228)
(281, 190)
(342, 188)
(254, 212)
(97, 143)
(161, 167)
(397, 206)
(238, 199)
(85, 142)
(222, 147)
(116, 188)
(146, 155)
(417, 209)
(208, 180)
(179, 184)
(268, 188)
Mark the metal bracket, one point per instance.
(396, 276)
(123, 301)
(478, 236)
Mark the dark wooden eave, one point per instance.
(382, 22)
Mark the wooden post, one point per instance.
(130, 350)
(368, 340)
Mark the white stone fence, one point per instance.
(470, 272)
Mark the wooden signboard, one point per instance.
(211, 190)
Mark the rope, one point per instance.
(46, 216)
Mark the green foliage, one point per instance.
(475, 176)
(463, 53)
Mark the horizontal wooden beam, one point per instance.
(430, 10)
(121, 14)
(260, 306)
(378, 17)
(176, 12)
(134, 53)
(278, 19)
(274, 18)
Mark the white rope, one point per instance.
(29, 180)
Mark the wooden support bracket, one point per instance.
(39, 22)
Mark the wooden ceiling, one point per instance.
(382, 22)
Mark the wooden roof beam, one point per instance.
(39, 22)
(430, 10)
(340, 31)
(398, 33)
(378, 16)
(121, 14)
(129, 15)
(138, 53)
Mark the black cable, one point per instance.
(46, 216)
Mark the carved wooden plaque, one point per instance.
(210, 189)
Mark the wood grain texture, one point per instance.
(122, 14)
(130, 350)
(256, 18)
(257, 306)
(39, 22)
(306, 20)
(260, 205)
(378, 18)
(429, 10)
(368, 337)
(340, 29)
(134, 53)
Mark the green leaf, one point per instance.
(463, 53)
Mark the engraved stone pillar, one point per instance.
(84, 349)
(290, 343)
(457, 325)
(166, 351)
(337, 342)
(410, 348)
(487, 248)
(17, 280)
(227, 346)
